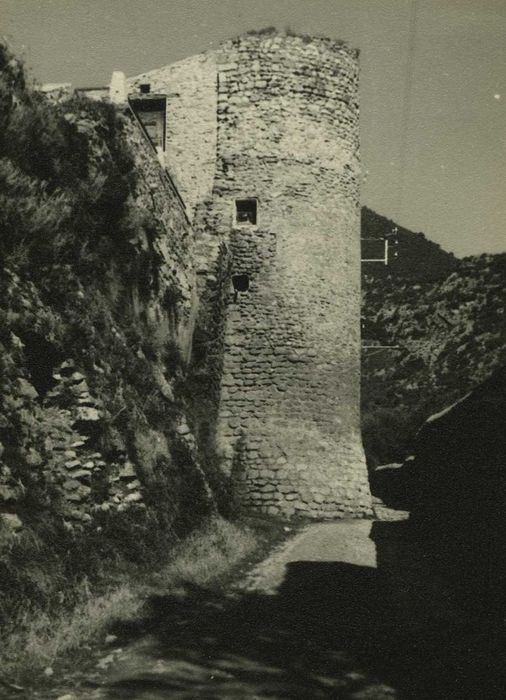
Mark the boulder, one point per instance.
(470, 434)
(133, 497)
(396, 484)
(11, 521)
(26, 389)
(127, 471)
(458, 472)
(87, 414)
(8, 494)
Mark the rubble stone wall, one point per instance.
(190, 87)
(173, 306)
(65, 425)
(288, 136)
(276, 118)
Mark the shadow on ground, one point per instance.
(333, 630)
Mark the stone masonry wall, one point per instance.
(284, 125)
(289, 412)
(173, 305)
(64, 426)
(190, 87)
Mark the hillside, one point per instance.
(98, 466)
(417, 257)
(448, 329)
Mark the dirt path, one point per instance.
(316, 619)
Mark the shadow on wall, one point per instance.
(333, 630)
(205, 371)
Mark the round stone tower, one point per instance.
(284, 201)
(286, 197)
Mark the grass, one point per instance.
(205, 556)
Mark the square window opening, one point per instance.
(246, 212)
(240, 283)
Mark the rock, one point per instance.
(48, 672)
(11, 521)
(76, 514)
(67, 367)
(7, 494)
(13, 686)
(79, 389)
(74, 497)
(133, 497)
(105, 661)
(71, 484)
(470, 434)
(86, 400)
(182, 428)
(81, 474)
(87, 414)
(127, 471)
(458, 473)
(33, 458)
(110, 639)
(26, 389)
(294, 358)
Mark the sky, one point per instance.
(433, 86)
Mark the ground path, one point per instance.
(315, 619)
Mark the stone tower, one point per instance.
(262, 139)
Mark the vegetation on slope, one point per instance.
(93, 470)
(445, 319)
(206, 557)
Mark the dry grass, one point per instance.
(201, 558)
(208, 554)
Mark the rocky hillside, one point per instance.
(97, 461)
(445, 319)
(412, 255)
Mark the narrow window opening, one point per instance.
(240, 284)
(145, 88)
(246, 211)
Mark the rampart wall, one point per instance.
(173, 303)
(289, 411)
(275, 118)
(190, 87)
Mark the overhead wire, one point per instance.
(406, 107)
